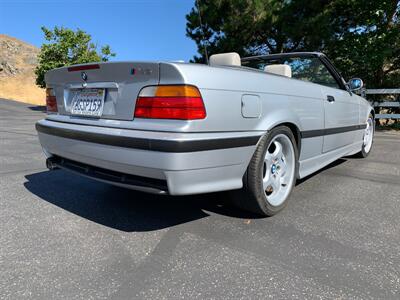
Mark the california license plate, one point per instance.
(88, 102)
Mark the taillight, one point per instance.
(51, 101)
(181, 102)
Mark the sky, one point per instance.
(135, 29)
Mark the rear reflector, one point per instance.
(180, 102)
(51, 101)
(83, 68)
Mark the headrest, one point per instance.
(225, 59)
(283, 70)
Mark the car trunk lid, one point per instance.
(121, 83)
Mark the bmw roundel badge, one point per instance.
(84, 76)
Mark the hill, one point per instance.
(17, 78)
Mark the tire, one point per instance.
(367, 141)
(269, 179)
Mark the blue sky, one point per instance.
(135, 29)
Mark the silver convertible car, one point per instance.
(252, 125)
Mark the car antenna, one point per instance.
(202, 32)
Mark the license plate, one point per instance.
(88, 102)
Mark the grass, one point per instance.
(22, 88)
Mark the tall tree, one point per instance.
(67, 47)
(367, 40)
(361, 36)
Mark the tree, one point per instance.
(361, 36)
(67, 47)
(368, 41)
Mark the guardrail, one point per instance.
(385, 104)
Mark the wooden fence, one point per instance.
(385, 104)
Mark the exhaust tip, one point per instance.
(50, 164)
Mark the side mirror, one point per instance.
(355, 84)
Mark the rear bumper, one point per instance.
(189, 163)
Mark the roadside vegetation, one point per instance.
(362, 37)
(67, 47)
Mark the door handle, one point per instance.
(330, 98)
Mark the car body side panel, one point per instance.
(365, 109)
(283, 100)
(343, 111)
(313, 164)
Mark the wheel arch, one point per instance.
(283, 117)
(296, 133)
(372, 111)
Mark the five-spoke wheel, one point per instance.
(368, 137)
(278, 169)
(271, 173)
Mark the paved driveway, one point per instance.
(67, 237)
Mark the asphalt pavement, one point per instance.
(67, 237)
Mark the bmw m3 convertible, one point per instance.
(251, 126)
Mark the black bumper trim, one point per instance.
(149, 144)
(108, 175)
(329, 131)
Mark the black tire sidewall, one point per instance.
(255, 176)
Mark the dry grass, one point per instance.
(20, 86)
